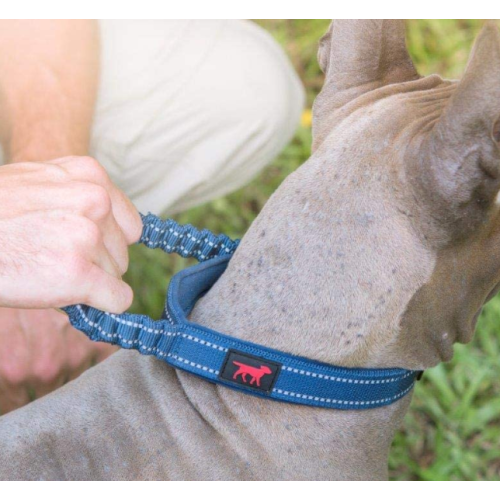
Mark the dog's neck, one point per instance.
(302, 282)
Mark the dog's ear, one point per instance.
(458, 165)
(358, 55)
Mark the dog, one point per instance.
(378, 252)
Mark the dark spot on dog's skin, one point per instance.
(405, 212)
(260, 261)
(496, 131)
(394, 270)
(263, 233)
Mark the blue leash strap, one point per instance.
(186, 240)
(220, 358)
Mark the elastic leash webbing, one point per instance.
(185, 240)
(220, 358)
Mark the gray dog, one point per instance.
(378, 252)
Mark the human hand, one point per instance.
(64, 232)
(39, 352)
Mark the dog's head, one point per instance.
(420, 158)
(381, 249)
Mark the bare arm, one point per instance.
(64, 227)
(48, 84)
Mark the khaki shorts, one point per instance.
(190, 110)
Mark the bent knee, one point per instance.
(252, 80)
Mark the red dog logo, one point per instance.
(255, 373)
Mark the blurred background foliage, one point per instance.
(452, 431)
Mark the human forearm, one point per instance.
(48, 83)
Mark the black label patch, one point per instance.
(249, 371)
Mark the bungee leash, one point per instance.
(220, 358)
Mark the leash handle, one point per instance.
(137, 331)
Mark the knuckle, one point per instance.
(14, 374)
(93, 169)
(46, 372)
(97, 201)
(88, 233)
(56, 173)
(81, 234)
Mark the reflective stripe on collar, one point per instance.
(220, 358)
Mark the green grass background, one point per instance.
(452, 431)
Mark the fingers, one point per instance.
(105, 204)
(99, 281)
(14, 363)
(115, 243)
(46, 379)
(104, 260)
(89, 170)
(39, 352)
(47, 348)
(92, 202)
(106, 292)
(80, 226)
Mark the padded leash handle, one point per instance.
(137, 331)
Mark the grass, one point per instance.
(452, 431)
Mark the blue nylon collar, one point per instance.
(220, 358)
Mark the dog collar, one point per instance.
(220, 358)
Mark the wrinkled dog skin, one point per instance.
(378, 252)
